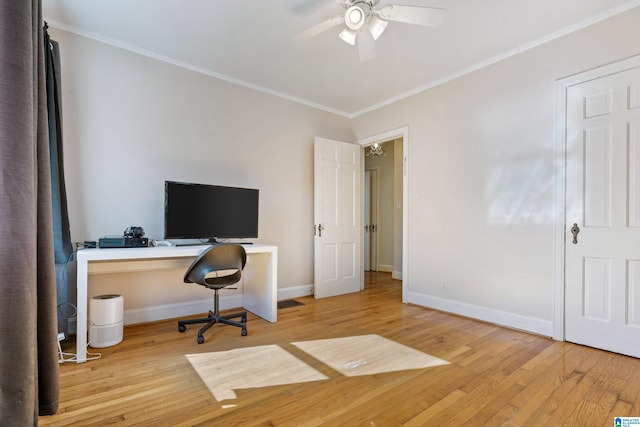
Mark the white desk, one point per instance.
(260, 285)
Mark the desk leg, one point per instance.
(260, 286)
(81, 336)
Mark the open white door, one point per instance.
(337, 219)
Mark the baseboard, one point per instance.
(294, 292)
(389, 269)
(503, 318)
(385, 268)
(170, 311)
(189, 308)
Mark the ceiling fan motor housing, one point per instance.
(356, 15)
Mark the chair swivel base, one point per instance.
(214, 318)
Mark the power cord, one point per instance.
(72, 357)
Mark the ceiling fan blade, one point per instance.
(319, 28)
(301, 7)
(366, 45)
(349, 36)
(427, 16)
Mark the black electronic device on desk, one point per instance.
(222, 212)
(133, 238)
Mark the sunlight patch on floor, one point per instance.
(367, 355)
(269, 365)
(251, 367)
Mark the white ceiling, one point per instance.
(250, 42)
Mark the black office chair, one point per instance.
(227, 261)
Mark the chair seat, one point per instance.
(215, 282)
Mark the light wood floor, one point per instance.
(495, 376)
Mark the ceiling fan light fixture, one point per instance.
(365, 21)
(355, 17)
(376, 26)
(348, 36)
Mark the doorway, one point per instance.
(385, 200)
(370, 218)
(379, 209)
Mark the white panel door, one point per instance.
(337, 241)
(373, 220)
(367, 220)
(602, 295)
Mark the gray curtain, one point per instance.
(63, 247)
(28, 322)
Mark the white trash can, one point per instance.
(106, 320)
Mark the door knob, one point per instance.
(575, 230)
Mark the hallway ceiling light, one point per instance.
(376, 150)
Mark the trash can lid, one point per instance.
(110, 296)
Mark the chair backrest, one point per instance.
(216, 258)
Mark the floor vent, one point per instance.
(288, 303)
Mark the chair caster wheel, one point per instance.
(182, 328)
(244, 332)
(200, 339)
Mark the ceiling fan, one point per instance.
(365, 22)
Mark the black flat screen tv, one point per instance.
(209, 212)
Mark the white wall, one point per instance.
(481, 178)
(481, 166)
(132, 122)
